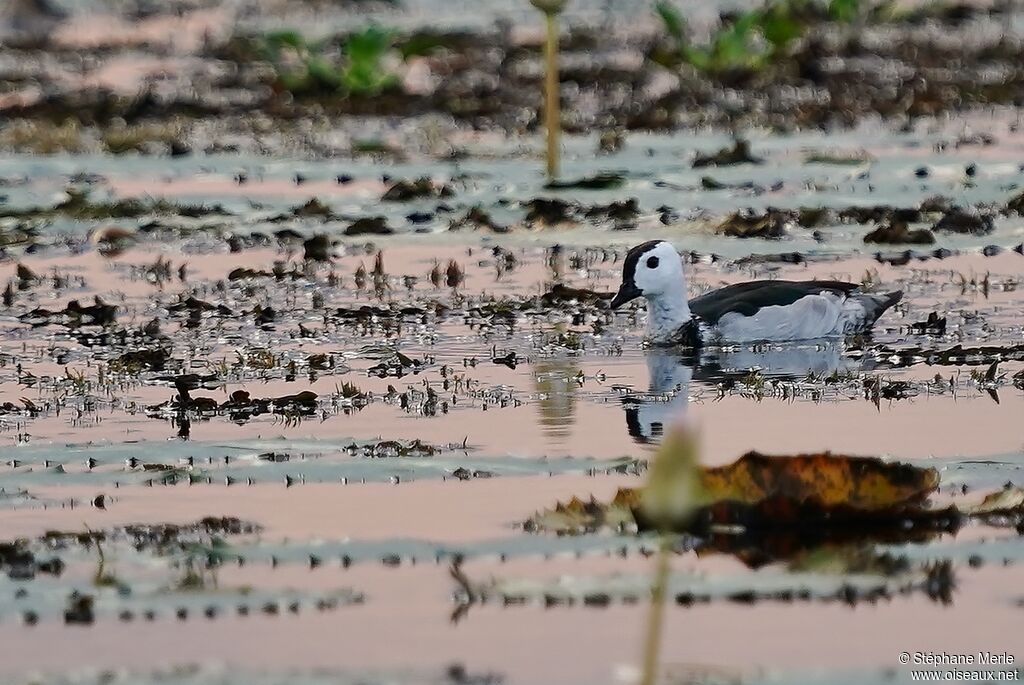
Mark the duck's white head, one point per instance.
(651, 270)
(654, 271)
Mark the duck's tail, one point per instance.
(876, 304)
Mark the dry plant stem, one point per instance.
(99, 549)
(553, 117)
(656, 615)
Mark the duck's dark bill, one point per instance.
(627, 292)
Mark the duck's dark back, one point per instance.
(747, 298)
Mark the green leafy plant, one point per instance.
(287, 48)
(750, 40)
(739, 43)
(781, 23)
(354, 66)
(734, 46)
(364, 72)
(844, 10)
(672, 18)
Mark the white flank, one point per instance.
(815, 316)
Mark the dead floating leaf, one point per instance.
(862, 482)
(578, 516)
(1006, 502)
(761, 492)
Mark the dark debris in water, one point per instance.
(477, 218)
(420, 188)
(956, 355)
(386, 449)
(738, 153)
(162, 538)
(240, 406)
(190, 556)
(896, 232)
(79, 206)
(771, 224)
(960, 221)
(553, 212)
(74, 314)
(602, 181)
(369, 225)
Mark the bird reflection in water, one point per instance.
(672, 373)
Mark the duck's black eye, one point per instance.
(652, 262)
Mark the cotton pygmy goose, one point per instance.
(772, 310)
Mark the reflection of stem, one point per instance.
(470, 595)
(655, 618)
(460, 577)
(551, 104)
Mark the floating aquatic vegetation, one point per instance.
(601, 181)
(455, 673)
(393, 448)
(294, 463)
(314, 208)
(686, 590)
(957, 355)
(957, 220)
(477, 218)
(135, 362)
(183, 580)
(424, 187)
(239, 407)
(74, 314)
(43, 137)
(839, 158)
(758, 491)
(897, 232)
(369, 225)
(623, 213)
(738, 153)
(771, 224)
(561, 293)
(159, 137)
(933, 325)
(318, 248)
(549, 212)
(78, 205)
(396, 366)
(821, 497)
(579, 516)
(393, 553)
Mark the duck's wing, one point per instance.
(747, 298)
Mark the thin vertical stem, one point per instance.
(552, 115)
(656, 615)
